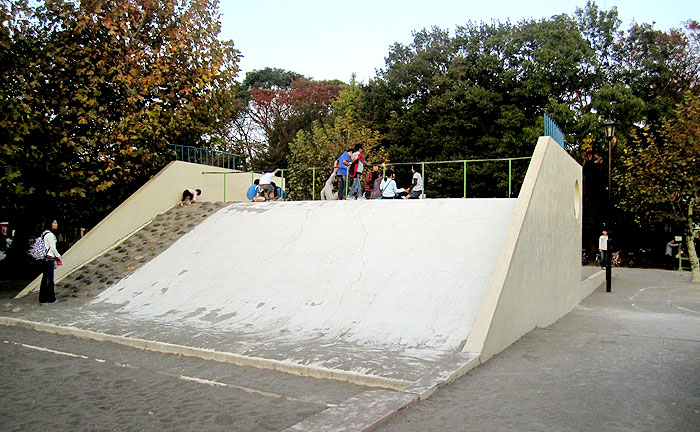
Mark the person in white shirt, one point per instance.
(53, 258)
(416, 189)
(189, 196)
(327, 191)
(603, 249)
(266, 186)
(388, 186)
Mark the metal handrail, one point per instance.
(205, 156)
(422, 164)
(552, 129)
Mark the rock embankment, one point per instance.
(135, 251)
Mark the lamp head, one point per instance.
(609, 129)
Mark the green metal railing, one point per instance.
(463, 162)
(552, 129)
(205, 156)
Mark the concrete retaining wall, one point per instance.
(537, 278)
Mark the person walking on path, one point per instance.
(388, 186)
(265, 184)
(49, 263)
(327, 193)
(416, 189)
(671, 248)
(189, 196)
(603, 249)
(342, 163)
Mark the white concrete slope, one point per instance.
(400, 274)
(157, 196)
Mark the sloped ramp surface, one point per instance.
(318, 281)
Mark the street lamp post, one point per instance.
(609, 134)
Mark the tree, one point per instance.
(280, 112)
(94, 92)
(320, 146)
(662, 176)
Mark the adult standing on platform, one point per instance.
(603, 249)
(356, 168)
(342, 163)
(52, 259)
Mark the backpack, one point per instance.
(38, 249)
(353, 168)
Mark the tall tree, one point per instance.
(281, 103)
(94, 92)
(662, 176)
(320, 146)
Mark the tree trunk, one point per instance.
(690, 242)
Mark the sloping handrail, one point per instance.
(205, 156)
(552, 129)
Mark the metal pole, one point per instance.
(510, 172)
(313, 184)
(465, 179)
(281, 187)
(422, 174)
(608, 268)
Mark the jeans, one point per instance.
(355, 188)
(603, 259)
(342, 179)
(46, 293)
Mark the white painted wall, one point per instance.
(537, 275)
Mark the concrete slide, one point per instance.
(379, 274)
(412, 292)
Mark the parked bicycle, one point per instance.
(616, 261)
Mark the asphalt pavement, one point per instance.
(622, 361)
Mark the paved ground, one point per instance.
(627, 360)
(61, 383)
(622, 361)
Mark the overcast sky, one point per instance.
(332, 39)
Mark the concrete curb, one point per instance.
(361, 413)
(208, 354)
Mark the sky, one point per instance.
(332, 39)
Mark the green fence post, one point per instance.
(313, 184)
(510, 172)
(465, 179)
(281, 186)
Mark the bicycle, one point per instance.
(616, 261)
